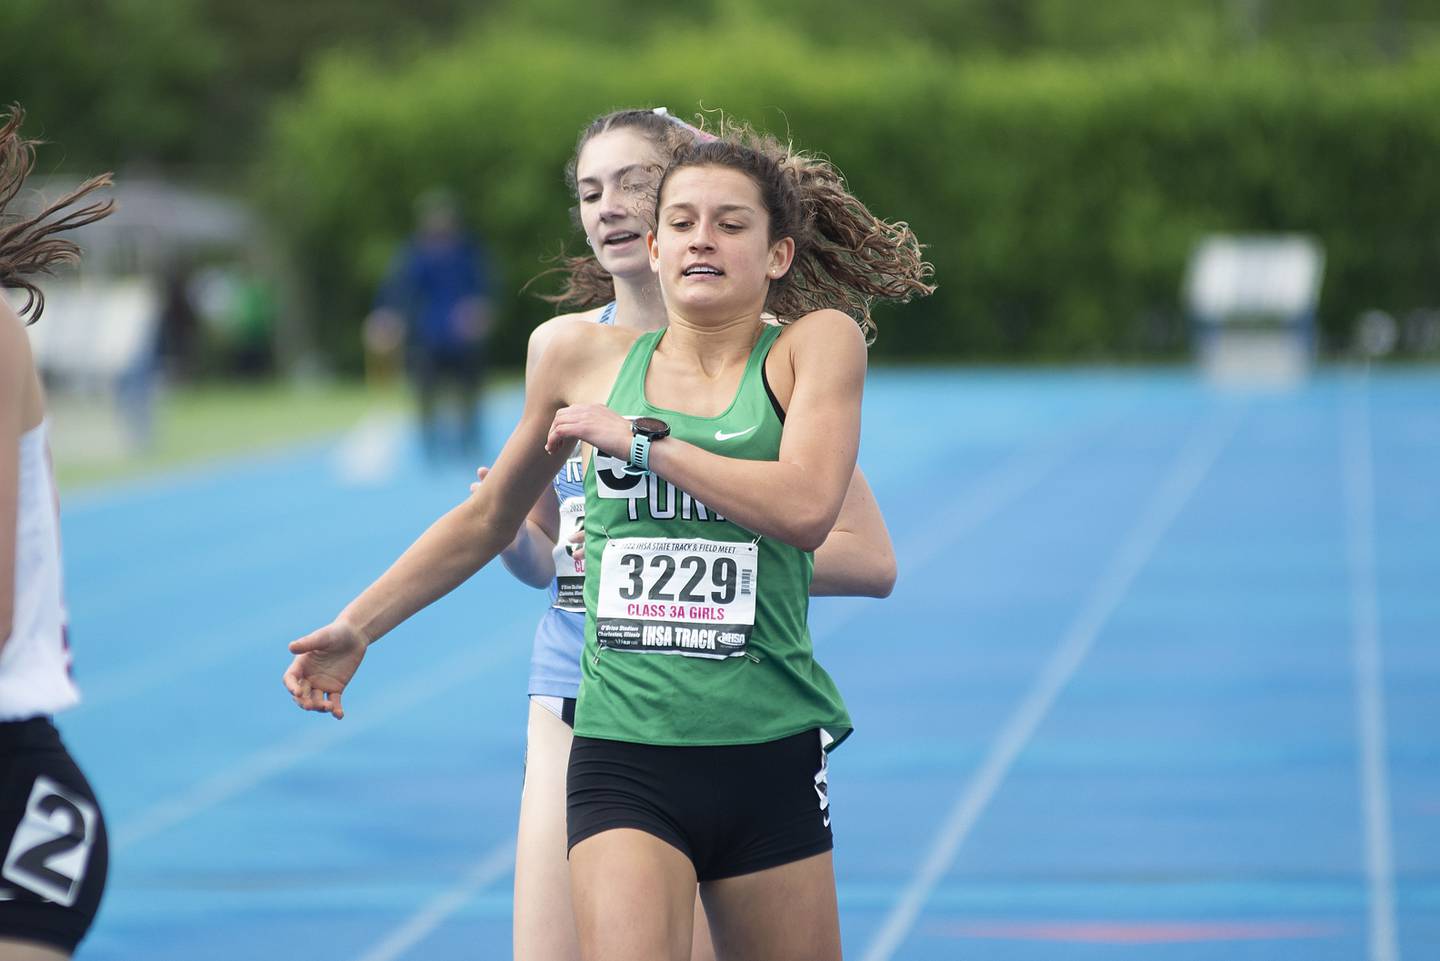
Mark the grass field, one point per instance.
(194, 424)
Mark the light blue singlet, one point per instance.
(560, 636)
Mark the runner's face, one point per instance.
(712, 248)
(616, 174)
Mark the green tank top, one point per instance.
(695, 628)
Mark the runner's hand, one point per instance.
(480, 473)
(324, 663)
(595, 424)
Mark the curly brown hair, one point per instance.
(586, 283)
(845, 257)
(29, 245)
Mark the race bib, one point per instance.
(570, 558)
(664, 596)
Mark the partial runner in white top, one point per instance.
(35, 661)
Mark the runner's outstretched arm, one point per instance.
(454, 547)
(529, 557)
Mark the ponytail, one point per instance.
(30, 246)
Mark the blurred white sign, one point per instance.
(1275, 277)
(96, 331)
(1253, 300)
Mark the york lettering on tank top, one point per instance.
(661, 500)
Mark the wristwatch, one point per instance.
(644, 431)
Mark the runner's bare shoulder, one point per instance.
(581, 360)
(831, 339)
(545, 333)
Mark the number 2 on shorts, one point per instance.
(50, 851)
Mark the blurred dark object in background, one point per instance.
(438, 292)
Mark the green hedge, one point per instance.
(1059, 199)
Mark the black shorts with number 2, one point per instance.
(53, 838)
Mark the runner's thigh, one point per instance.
(702, 948)
(30, 951)
(544, 919)
(786, 913)
(634, 897)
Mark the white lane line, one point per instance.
(1369, 675)
(320, 734)
(1183, 479)
(996, 490)
(495, 865)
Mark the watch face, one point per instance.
(652, 427)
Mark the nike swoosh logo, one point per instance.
(721, 435)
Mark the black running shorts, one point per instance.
(53, 838)
(732, 809)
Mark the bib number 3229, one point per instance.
(663, 596)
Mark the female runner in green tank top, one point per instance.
(617, 163)
(701, 550)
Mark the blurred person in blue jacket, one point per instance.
(438, 293)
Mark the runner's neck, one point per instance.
(712, 349)
(638, 304)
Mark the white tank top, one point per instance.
(35, 661)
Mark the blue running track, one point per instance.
(1160, 680)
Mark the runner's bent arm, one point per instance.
(796, 498)
(857, 558)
